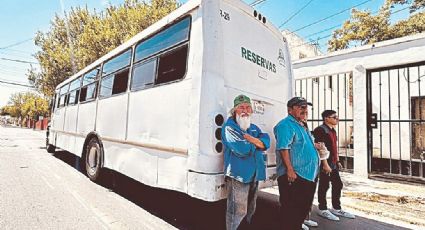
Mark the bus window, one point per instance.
(106, 86)
(72, 96)
(83, 94)
(57, 100)
(91, 76)
(88, 90)
(117, 63)
(172, 65)
(115, 75)
(62, 101)
(74, 89)
(143, 74)
(63, 95)
(165, 39)
(120, 82)
(52, 103)
(91, 91)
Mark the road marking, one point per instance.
(97, 217)
(57, 176)
(45, 181)
(78, 198)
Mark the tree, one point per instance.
(364, 28)
(28, 104)
(80, 37)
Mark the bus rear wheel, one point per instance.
(50, 148)
(93, 159)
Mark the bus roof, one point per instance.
(176, 14)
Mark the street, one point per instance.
(43, 191)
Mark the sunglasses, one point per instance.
(334, 117)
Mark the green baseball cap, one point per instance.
(241, 99)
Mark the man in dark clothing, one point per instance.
(297, 164)
(330, 168)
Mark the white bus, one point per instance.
(152, 109)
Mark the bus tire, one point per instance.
(93, 160)
(50, 148)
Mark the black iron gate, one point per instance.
(332, 92)
(396, 120)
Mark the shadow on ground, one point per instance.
(185, 212)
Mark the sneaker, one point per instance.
(311, 223)
(340, 212)
(304, 227)
(328, 215)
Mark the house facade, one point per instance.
(378, 91)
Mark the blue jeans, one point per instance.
(241, 202)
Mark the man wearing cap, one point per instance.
(244, 165)
(297, 164)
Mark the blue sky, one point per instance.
(21, 19)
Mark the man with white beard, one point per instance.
(244, 162)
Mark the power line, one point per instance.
(330, 28)
(12, 81)
(295, 14)
(10, 72)
(333, 27)
(13, 67)
(20, 61)
(330, 16)
(256, 2)
(320, 38)
(16, 84)
(400, 10)
(310, 43)
(15, 44)
(21, 55)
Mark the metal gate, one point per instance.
(332, 92)
(396, 120)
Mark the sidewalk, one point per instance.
(389, 200)
(377, 204)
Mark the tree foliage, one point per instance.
(27, 104)
(365, 28)
(80, 37)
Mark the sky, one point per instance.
(21, 19)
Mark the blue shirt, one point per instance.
(243, 161)
(298, 140)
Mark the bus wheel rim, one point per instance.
(92, 160)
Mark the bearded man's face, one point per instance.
(243, 115)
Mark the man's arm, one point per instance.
(284, 153)
(235, 140)
(326, 168)
(319, 134)
(255, 141)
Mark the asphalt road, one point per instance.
(43, 191)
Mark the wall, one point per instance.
(357, 61)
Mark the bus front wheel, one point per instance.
(50, 148)
(93, 159)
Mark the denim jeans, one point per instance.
(241, 202)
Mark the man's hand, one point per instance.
(319, 145)
(339, 165)
(292, 176)
(255, 141)
(327, 169)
